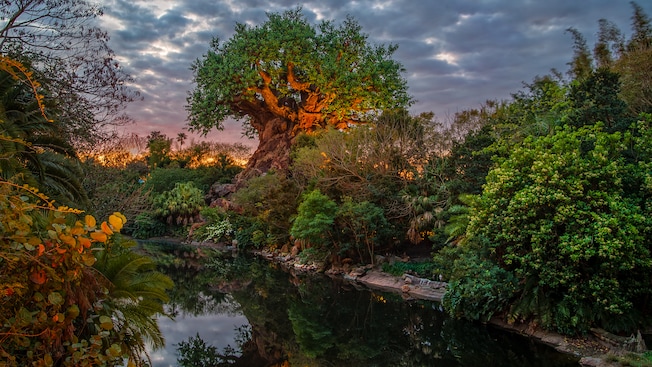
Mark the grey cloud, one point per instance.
(497, 45)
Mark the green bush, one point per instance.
(181, 205)
(147, 225)
(164, 179)
(566, 214)
(483, 290)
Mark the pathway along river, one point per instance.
(248, 312)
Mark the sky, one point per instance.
(457, 53)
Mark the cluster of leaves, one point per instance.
(59, 306)
(181, 205)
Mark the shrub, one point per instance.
(181, 205)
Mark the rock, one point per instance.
(219, 190)
(405, 288)
(295, 250)
(408, 280)
(285, 249)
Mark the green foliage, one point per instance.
(481, 290)
(425, 269)
(315, 218)
(147, 225)
(32, 149)
(218, 231)
(361, 227)
(160, 147)
(196, 353)
(181, 205)
(559, 220)
(136, 294)
(268, 203)
(328, 72)
(632, 359)
(595, 98)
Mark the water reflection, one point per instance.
(301, 320)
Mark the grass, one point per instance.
(633, 359)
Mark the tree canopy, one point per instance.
(310, 76)
(72, 60)
(286, 75)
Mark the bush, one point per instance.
(566, 214)
(181, 205)
(483, 290)
(147, 225)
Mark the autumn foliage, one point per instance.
(50, 295)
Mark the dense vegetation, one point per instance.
(537, 209)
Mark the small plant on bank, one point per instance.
(422, 269)
(216, 232)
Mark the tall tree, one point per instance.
(286, 76)
(72, 59)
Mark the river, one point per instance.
(248, 312)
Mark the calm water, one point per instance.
(250, 313)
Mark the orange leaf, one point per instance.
(41, 249)
(85, 242)
(106, 229)
(38, 276)
(99, 236)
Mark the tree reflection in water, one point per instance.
(307, 320)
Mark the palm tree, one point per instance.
(137, 293)
(181, 138)
(32, 149)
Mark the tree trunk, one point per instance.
(273, 152)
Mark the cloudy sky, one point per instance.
(457, 53)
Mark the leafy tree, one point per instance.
(362, 228)
(160, 147)
(315, 218)
(181, 138)
(269, 202)
(556, 214)
(72, 60)
(596, 98)
(197, 353)
(286, 76)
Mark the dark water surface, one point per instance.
(254, 314)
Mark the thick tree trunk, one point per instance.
(273, 152)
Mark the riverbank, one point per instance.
(595, 350)
(592, 350)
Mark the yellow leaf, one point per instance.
(90, 221)
(68, 240)
(76, 231)
(116, 222)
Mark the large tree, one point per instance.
(286, 76)
(60, 41)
